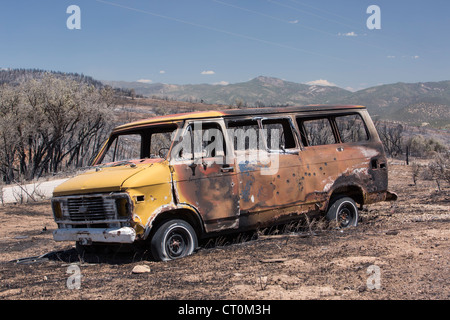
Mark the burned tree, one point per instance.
(391, 136)
(50, 124)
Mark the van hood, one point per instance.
(112, 178)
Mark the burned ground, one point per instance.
(407, 240)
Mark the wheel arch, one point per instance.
(185, 213)
(353, 191)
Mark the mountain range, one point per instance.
(415, 103)
(423, 103)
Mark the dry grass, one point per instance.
(408, 240)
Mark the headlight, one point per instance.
(122, 207)
(56, 208)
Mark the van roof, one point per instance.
(235, 112)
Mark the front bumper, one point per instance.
(89, 235)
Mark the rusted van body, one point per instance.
(171, 180)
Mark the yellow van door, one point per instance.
(267, 168)
(203, 176)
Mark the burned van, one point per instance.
(169, 181)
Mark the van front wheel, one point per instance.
(344, 212)
(172, 240)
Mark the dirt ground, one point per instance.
(398, 251)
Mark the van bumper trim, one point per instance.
(88, 235)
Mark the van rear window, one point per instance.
(316, 132)
(351, 128)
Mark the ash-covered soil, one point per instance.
(399, 250)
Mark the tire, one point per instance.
(344, 211)
(173, 239)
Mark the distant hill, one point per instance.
(425, 113)
(15, 76)
(416, 103)
(261, 91)
(390, 99)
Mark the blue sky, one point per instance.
(229, 41)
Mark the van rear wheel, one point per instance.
(344, 211)
(173, 239)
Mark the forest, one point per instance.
(50, 122)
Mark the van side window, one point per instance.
(213, 144)
(202, 140)
(279, 134)
(351, 128)
(160, 141)
(245, 135)
(316, 132)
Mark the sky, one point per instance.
(219, 42)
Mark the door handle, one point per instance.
(192, 166)
(227, 169)
(340, 149)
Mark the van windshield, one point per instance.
(148, 143)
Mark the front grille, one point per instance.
(91, 208)
(96, 210)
